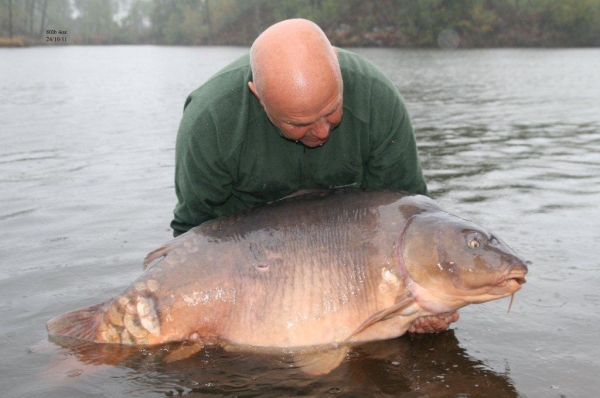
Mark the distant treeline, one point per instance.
(391, 23)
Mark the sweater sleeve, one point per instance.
(393, 160)
(203, 183)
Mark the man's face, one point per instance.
(309, 126)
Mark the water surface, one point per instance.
(508, 138)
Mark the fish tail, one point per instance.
(130, 319)
(80, 324)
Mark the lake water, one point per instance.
(508, 138)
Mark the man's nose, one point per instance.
(321, 129)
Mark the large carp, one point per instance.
(319, 269)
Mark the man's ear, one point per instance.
(254, 91)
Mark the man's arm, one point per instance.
(394, 160)
(202, 182)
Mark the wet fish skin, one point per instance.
(322, 268)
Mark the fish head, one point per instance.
(448, 262)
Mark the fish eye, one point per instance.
(473, 241)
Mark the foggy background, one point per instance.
(389, 23)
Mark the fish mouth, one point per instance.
(515, 275)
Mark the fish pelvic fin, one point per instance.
(184, 351)
(321, 362)
(382, 315)
(80, 324)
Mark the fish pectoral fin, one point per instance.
(321, 362)
(382, 315)
(184, 351)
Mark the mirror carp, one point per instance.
(313, 273)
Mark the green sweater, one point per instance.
(230, 157)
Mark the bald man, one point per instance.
(296, 113)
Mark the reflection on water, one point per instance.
(470, 155)
(509, 139)
(413, 365)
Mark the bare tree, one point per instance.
(10, 29)
(207, 19)
(43, 20)
(30, 15)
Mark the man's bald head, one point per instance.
(295, 70)
(293, 56)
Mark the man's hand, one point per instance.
(433, 323)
